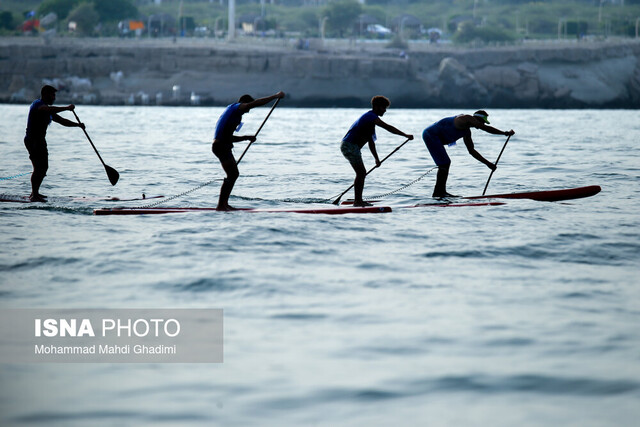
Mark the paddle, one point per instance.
(336, 201)
(111, 172)
(497, 160)
(259, 129)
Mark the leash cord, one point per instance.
(178, 195)
(15, 176)
(379, 196)
(382, 196)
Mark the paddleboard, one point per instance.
(547, 196)
(318, 210)
(60, 199)
(449, 205)
(542, 196)
(350, 202)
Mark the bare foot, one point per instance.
(38, 198)
(443, 195)
(226, 208)
(362, 204)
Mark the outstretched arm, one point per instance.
(260, 101)
(392, 129)
(64, 122)
(474, 122)
(54, 110)
(238, 138)
(468, 142)
(494, 131)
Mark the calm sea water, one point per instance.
(524, 314)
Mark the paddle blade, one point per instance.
(112, 174)
(337, 201)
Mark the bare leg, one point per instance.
(39, 172)
(358, 185)
(440, 189)
(231, 169)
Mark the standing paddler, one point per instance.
(41, 113)
(446, 132)
(361, 132)
(229, 122)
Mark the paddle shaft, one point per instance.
(496, 164)
(258, 131)
(336, 201)
(89, 138)
(112, 174)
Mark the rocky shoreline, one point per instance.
(208, 72)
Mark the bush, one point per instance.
(467, 32)
(398, 42)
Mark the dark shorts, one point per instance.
(352, 153)
(222, 151)
(436, 149)
(38, 154)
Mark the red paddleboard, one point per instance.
(350, 202)
(547, 196)
(319, 210)
(543, 196)
(450, 205)
(60, 199)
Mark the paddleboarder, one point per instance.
(41, 113)
(361, 132)
(446, 132)
(229, 122)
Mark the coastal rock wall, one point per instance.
(588, 75)
(581, 76)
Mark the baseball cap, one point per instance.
(482, 115)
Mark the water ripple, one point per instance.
(531, 384)
(602, 254)
(206, 285)
(483, 385)
(107, 416)
(39, 262)
(300, 316)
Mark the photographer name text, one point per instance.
(105, 349)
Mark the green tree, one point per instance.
(301, 19)
(115, 10)
(309, 19)
(108, 10)
(85, 17)
(59, 7)
(342, 14)
(6, 21)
